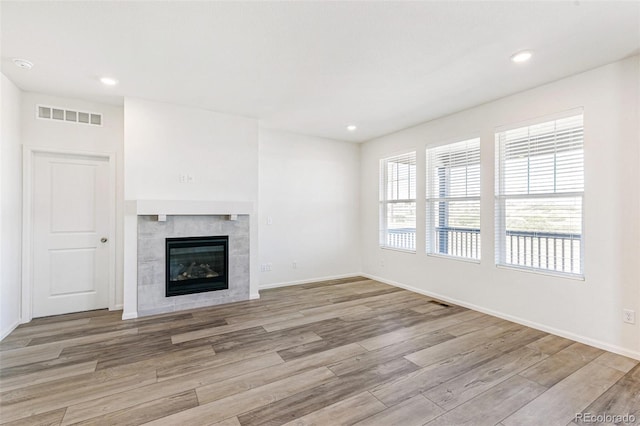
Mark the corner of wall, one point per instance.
(612, 280)
(10, 206)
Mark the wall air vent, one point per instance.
(46, 112)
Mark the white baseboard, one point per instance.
(308, 281)
(254, 296)
(129, 315)
(9, 329)
(562, 333)
(117, 307)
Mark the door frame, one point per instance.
(28, 170)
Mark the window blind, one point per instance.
(398, 202)
(453, 199)
(539, 196)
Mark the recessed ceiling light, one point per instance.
(107, 81)
(352, 127)
(23, 63)
(521, 57)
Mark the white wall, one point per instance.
(309, 188)
(589, 310)
(77, 137)
(10, 207)
(163, 141)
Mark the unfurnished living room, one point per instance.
(320, 213)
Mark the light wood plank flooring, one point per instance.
(349, 351)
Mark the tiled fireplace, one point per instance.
(149, 225)
(153, 235)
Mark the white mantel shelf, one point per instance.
(189, 207)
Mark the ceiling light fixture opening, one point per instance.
(108, 81)
(23, 63)
(352, 127)
(522, 56)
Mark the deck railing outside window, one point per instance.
(402, 238)
(540, 250)
(459, 242)
(544, 250)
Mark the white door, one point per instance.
(70, 233)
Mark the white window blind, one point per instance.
(453, 199)
(398, 202)
(539, 196)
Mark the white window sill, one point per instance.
(457, 258)
(398, 249)
(555, 274)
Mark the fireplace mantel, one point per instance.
(190, 207)
(138, 208)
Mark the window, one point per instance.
(453, 199)
(539, 195)
(398, 202)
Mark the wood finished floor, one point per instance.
(349, 351)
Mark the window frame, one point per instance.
(431, 200)
(384, 201)
(500, 230)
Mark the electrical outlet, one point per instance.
(269, 220)
(629, 316)
(382, 263)
(294, 265)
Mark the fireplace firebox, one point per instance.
(196, 265)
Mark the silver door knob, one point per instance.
(104, 240)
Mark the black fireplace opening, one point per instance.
(196, 264)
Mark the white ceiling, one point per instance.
(311, 67)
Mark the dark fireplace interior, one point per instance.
(196, 265)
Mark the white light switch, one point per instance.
(269, 220)
(187, 178)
